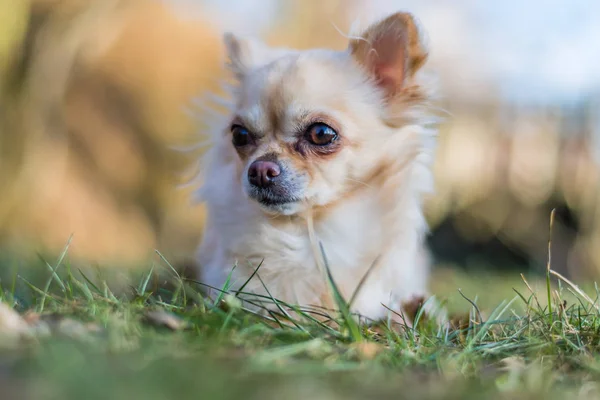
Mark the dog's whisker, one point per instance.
(359, 182)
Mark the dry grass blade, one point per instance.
(531, 290)
(472, 304)
(363, 280)
(549, 264)
(576, 289)
(314, 243)
(162, 318)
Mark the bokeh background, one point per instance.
(96, 96)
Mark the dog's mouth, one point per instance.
(282, 197)
(275, 201)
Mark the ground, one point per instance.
(160, 339)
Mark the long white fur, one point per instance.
(354, 232)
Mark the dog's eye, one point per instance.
(320, 134)
(241, 136)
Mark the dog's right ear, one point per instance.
(239, 52)
(246, 54)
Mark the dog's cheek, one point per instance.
(297, 168)
(323, 178)
(366, 159)
(328, 182)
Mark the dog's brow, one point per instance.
(237, 120)
(252, 119)
(302, 113)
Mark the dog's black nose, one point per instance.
(262, 173)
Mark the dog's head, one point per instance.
(310, 126)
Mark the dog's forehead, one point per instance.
(294, 85)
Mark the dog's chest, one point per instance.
(350, 237)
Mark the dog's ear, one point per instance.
(247, 53)
(239, 52)
(391, 51)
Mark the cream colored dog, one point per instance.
(323, 148)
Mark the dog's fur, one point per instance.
(360, 197)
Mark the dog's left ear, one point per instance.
(391, 51)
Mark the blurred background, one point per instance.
(95, 94)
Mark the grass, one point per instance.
(511, 346)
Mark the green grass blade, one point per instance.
(343, 307)
(143, 286)
(54, 275)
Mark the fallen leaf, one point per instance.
(165, 319)
(48, 324)
(12, 326)
(72, 328)
(367, 350)
(10, 321)
(31, 317)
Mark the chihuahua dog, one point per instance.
(318, 174)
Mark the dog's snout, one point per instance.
(261, 173)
